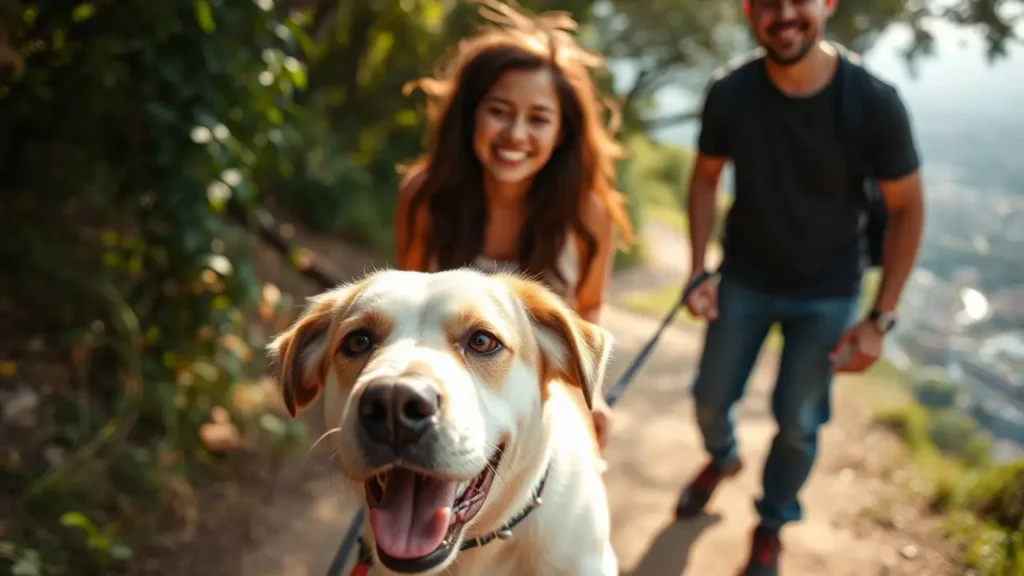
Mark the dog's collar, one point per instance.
(505, 532)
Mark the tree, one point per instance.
(678, 42)
(1001, 23)
(127, 126)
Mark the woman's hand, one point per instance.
(602, 414)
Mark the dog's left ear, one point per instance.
(576, 349)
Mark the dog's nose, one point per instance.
(398, 413)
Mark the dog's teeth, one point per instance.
(461, 490)
(382, 481)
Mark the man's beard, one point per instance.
(802, 50)
(788, 60)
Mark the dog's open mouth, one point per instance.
(417, 518)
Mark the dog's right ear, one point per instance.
(301, 351)
(299, 354)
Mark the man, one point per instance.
(794, 248)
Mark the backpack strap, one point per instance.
(854, 117)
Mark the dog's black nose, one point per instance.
(398, 413)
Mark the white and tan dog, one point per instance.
(453, 397)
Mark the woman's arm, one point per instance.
(411, 248)
(590, 293)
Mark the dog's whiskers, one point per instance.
(318, 440)
(324, 435)
(492, 448)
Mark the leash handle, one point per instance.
(843, 358)
(689, 289)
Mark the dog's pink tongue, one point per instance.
(413, 515)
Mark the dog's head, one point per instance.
(433, 381)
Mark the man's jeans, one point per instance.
(802, 396)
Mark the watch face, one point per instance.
(886, 321)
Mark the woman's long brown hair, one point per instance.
(581, 168)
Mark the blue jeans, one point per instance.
(801, 401)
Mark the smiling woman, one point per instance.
(519, 170)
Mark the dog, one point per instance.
(454, 400)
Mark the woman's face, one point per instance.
(518, 125)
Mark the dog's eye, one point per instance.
(483, 342)
(356, 343)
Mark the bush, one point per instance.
(958, 435)
(947, 431)
(984, 505)
(986, 514)
(935, 391)
(998, 496)
(628, 184)
(660, 172)
(128, 129)
(910, 422)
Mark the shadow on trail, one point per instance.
(669, 552)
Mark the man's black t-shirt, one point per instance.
(795, 227)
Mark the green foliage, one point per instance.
(998, 496)
(661, 172)
(632, 188)
(957, 434)
(946, 431)
(127, 130)
(909, 422)
(935, 391)
(986, 515)
(997, 20)
(983, 503)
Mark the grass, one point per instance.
(982, 503)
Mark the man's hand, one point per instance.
(858, 348)
(703, 303)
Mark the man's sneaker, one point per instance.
(764, 554)
(696, 495)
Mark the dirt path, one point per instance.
(655, 448)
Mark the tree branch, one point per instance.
(671, 120)
(266, 229)
(638, 86)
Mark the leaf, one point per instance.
(83, 12)
(204, 16)
(298, 77)
(28, 565)
(407, 117)
(272, 424)
(8, 368)
(109, 238)
(78, 520)
(120, 552)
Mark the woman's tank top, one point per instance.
(568, 264)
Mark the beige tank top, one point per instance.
(568, 265)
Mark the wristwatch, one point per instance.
(883, 321)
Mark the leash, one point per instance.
(614, 393)
(612, 397)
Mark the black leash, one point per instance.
(619, 388)
(612, 396)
